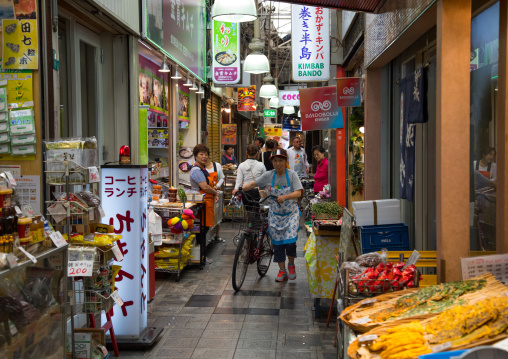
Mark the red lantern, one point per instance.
(125, 155)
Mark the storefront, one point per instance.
(421, 162)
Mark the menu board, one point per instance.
(496, 264)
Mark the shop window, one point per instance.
(483, 127)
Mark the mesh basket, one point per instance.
(249, 218)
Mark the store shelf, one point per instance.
(183, 120)
(28, 262)
(156, 128)
(161, 148)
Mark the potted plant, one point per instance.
(327, 210)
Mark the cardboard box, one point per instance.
(373, 213)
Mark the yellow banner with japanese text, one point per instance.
(20, 44)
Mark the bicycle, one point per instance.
(253, 242)
(308, 193)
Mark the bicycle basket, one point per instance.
(249, 216)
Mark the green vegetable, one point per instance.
(181, 194)
(331, 208)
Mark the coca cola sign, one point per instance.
(289, 98)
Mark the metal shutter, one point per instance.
(213, 124)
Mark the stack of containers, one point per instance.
(17, 127)
(380, 225)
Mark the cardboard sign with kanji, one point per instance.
(20, 49)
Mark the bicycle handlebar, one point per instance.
(248, 198)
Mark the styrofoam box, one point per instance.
(388, 212)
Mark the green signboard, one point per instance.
(226, 52)
(270, 113)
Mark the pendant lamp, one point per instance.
(268, 90)
(188, 83)
(194, 87)
(274, 102)
(234, 10)
(176, 75)
(256, 62)
(288, 110)
(164, 66)
(299, 113)
(200, 91)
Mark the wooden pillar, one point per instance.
(502, 133)
(452, 136)
(373, 134)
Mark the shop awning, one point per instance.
(351, 5)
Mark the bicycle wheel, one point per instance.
(265, 257)
(241, 262)
(236, 239)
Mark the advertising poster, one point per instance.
(348, 92)
(228, 134)
(289, 98)
(158, 138)
(226, 52)
(291, 123)
(319, 109)
(6, 9)
(273, 132)
(25, 9)
(183, 102)
(153, 86)
(247, 98)
(311, 46)
(179, 28)
(20, 49)
(29, 189)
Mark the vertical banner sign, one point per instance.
(319, 109)
(348, 92)
(310, 43)
(289, 98)
(20, 50)
(226, 52)
(228, 134)
(124, 200)
(246, 98)
(183, 102)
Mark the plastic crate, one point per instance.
(443, 355)
(394, 237)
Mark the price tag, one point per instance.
(31, 257)
(362, 320)
(28, 211)
(80, 268)
(116, 298)
(93, 175)
(91, 214)
(367, 338)
(118, 253)
(415, 256)
(18, 211)
(11, 179)
(12, 260)
(441, 347)
(368, 301)
(58, 239)
(103, 214)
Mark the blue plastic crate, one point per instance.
(443, 355)
(394, 237)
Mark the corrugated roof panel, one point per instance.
(352, 5)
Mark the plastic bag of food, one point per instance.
(371, 259)
(354, 268)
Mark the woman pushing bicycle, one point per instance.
(284, 214)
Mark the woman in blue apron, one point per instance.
(284, 214)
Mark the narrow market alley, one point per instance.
(204, 318)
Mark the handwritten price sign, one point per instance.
(79, 268)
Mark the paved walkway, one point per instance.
(203, 318)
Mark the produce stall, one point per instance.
(417, 321)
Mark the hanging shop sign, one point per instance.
(311, 43)
(273, 131)
(319, 109)
(291, 123)
(247, 98)
(228, 134)
(269, 113)
(348, 92)
(124, 201)
(20, 44)
(153, 86)
(183, 102)
(226, 52)
(178, 29)
(289, 98)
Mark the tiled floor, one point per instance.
(204, 318)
